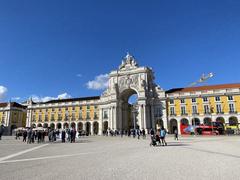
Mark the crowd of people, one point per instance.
(131, 132)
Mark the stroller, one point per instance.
(153, 141)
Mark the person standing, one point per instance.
(63, 135)
(144, 134)
(29, 135)
(24, 136)
(1, 131)
(176, 134)
(162, 136)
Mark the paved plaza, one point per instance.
(106, 158)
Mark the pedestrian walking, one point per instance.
(1, 131)
(143, 133)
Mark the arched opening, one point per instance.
(184, 123)
(34, 126)
(220, 119)
(52, 126)
(220, 124)
(59, 125)
(65, 126)
(159, 124)
(129, 110)
(88, 128)
(173, 126)
(80, 126)
(195, 122)
(12, 128)
(207, 121)
(95, 128)
(233, 121)
(39, 125)
(73, 125)
(45, 125)
(105, 127)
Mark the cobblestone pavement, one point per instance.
(104, 158)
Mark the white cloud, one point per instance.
(48, 98)
(3, 92)
(79, 75)
(15, 98)
(64, 96)
(100, 82)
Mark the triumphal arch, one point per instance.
(129, 79)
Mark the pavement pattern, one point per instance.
(105, 158)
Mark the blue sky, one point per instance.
(51, 48)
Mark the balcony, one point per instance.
(233, 112)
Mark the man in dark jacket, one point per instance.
(63, 135)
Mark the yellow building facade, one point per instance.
(203, 105)
(12, 116)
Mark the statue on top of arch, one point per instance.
(128, 62)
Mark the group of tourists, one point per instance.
(158, 138)
(130, 133)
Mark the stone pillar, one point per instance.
(178, 126)
(100, 124)
(84, 126)
(110, 117)
(114, 118)
(152, 117)
(91, 129)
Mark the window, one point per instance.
(217, 98)
(73, 116)
(219, 108)
(34, 118)
(52, 109)
(206, 109)
(182, 101)
(46, 118)
(73, 108)
(183, 110)
(172, 111)
(80, 107)
(66, 108)
(194, 109)
(88, 115)
(194, 100)
(40, 118)
(105, 114)
(88, 107)
(231, 107)
(52, 117)
(230, 98)
(95, 115)
(95, 107)
(205, 99)
(59, 109)
(80, 115)
(171, 101)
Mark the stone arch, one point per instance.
(129, 113)
(45, 125)
(195, 121)
(233, 121)
(39, 125)
(95, 128)
(73, 125)
(34, 125)
(173, 125)
(80, 126)
(52, 126)
(184, 123)
(220, 119)
(207, 121)
(59, 125)
(105, 127)
(65, 125)
(88, 128)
